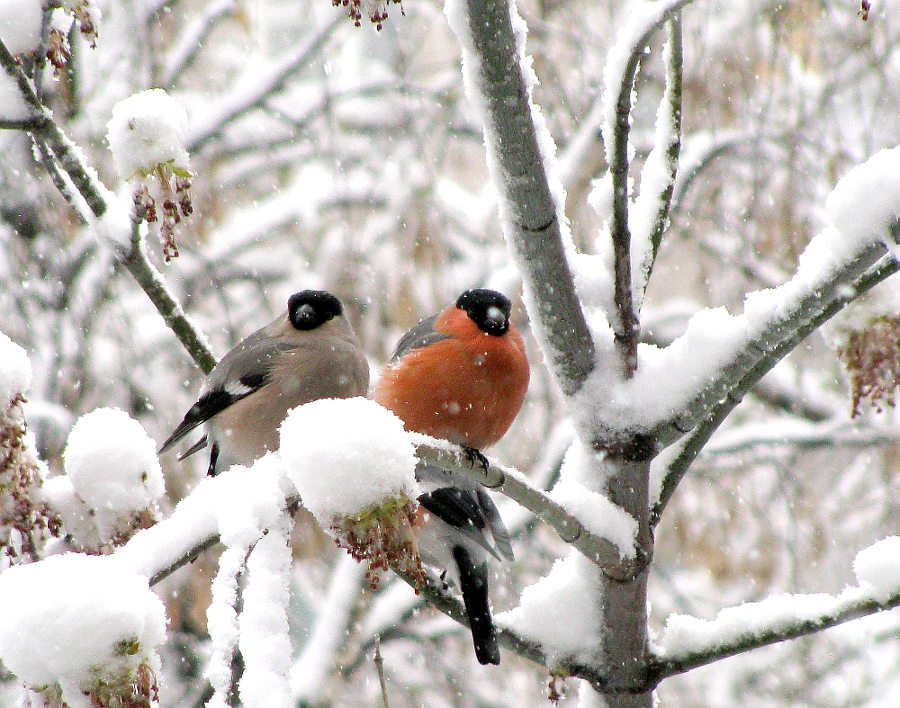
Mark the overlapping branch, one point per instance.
(708, 410)
(532, 221)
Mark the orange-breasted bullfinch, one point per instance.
(307, 353)
(461, 375)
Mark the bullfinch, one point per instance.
(308, 352)
(461, 375)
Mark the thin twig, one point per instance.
(674, 70)
(626, 325)
(379, 667)
(151, 281)
(242, 101)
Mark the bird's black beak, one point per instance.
(305, 313)
(495, 321)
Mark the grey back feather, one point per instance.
(421, 335)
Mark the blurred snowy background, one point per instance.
(330, 156)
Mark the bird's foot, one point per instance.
(474, 455)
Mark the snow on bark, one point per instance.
(785, 616)
(263, 624)
(877, 568)
(667, 379)
(561, 611)
(594, 510)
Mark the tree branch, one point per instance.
(622, 66)
(242, 101)
(674, 56)
(59, 156)
(529, 216)
(512, 484)
(858, 605)
(152, 283)
(829, 300)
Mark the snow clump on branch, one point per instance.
(111, 466)
(354, 466)
(147, 135)
(83, 629)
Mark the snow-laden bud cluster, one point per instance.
(147, 134)
(82, 629)
(354, 467)
(25, 520)
(113, 480)
(20, 28)
(866, 337)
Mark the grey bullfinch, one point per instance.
(307, 353)
(461, 375)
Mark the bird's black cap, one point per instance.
(488, 309)
(309, 309)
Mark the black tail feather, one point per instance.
(473, 581)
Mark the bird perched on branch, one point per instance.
(307, 353)
(461, 375)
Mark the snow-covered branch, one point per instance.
(44, 129)
(840, 296)
(531, 215)
(152, 283)
(192, 38)
(512, 484)
(620, 72)
(651, 209)
(65, 164)
(690, 642)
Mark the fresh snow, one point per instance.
(112, 463)
(344, 455)
(667, 378)
(20, 25)
(222, 624)
(866, 201)
(263, 624)
(877, 568)
(147, 129)
(596, 513)
(238, 505)
(561, 610)
(66, 614)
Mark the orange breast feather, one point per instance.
(467, 389)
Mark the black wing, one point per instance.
(242, 371)
(498, 528)
(459, 508)
(421, 335)
(210, 403)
